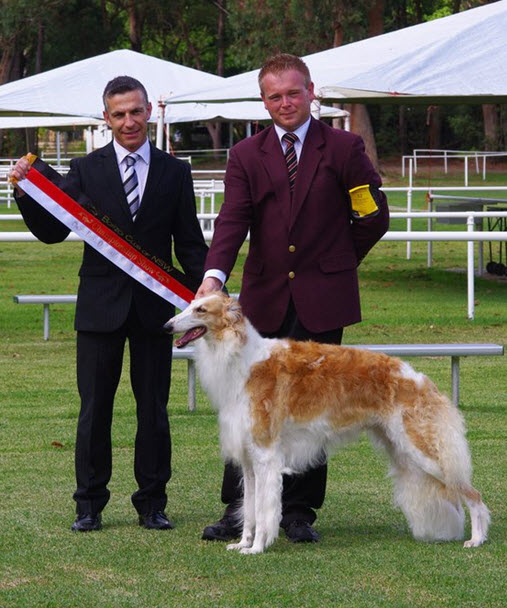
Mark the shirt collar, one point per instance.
(143, 151)
(300, 131)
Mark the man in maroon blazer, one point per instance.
(312, 218)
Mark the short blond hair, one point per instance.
(282, 62)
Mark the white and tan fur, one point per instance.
(282, 403)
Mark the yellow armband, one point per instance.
(362, 201)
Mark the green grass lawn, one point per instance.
(366, 557)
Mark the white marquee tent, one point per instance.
(76, 89)
(462, 57)
(71, 95)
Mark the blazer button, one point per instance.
(292, 274)
(292, 248)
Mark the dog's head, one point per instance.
(213, 314)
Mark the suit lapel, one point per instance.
(274, 163)
(309, 161)
(114, 182)
(155, 173)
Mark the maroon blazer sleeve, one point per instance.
(235, 218)
(359, 171)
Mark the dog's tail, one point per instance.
(451, 444)
(431, 486)
(431, 511)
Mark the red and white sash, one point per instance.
(118, 248)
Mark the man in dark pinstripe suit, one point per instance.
(112, 308)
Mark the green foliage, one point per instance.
(183, 32)
(462, 128)
(79, 20)
(294, 26)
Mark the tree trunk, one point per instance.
(215, 131)
(419, 11)
(434, 124)
(402, 129)
(135, 26)
(214, 128)
(360, 123)
(376, 18)
(490, 116)
(40, 48)
(7, 62)
(221, 37)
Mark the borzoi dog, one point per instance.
(282, 403)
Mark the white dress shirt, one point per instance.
(300, 132)
(142, 165)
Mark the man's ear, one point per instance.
(106, 118)
(311, 90)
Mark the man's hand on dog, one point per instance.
(209, 285)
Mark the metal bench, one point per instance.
(455, 351)
(188, 354)
(46, 300)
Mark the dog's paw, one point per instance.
(251, 550)
(238, 546)
(473, 542)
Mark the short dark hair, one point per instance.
(276, 64)
(122, 84)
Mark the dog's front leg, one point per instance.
(248, 508)
(268, 501)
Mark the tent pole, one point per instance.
(160, 125)
(58, 148)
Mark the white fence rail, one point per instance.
(205, 180)
(470, 236)
(466, 156)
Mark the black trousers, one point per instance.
(99, 365)
(304, 492)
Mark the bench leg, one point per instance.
(46, 321)
(191, 385)
(455, 380)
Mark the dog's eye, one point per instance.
(200, 309)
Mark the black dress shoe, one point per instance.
(225, 529)
(87, 522)
(301, 532)
(155, 520)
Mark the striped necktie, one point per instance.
(130, 184)
(290, 157)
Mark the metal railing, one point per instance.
(446, 155)
(470, 236)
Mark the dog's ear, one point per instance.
(233, 311)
